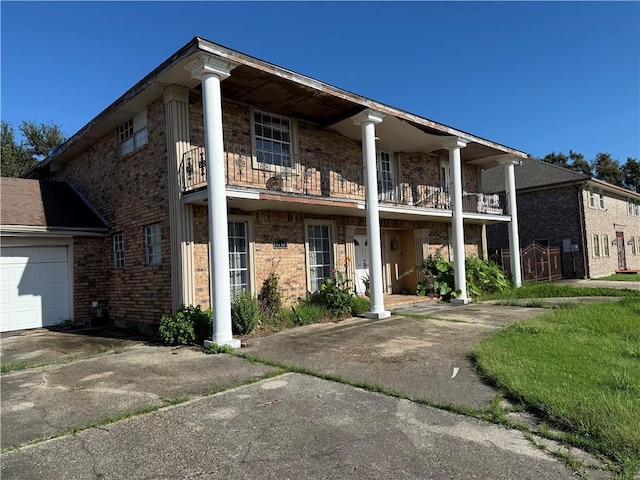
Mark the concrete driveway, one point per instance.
(266, 423)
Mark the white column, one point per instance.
(457, 226)
(512, 209)
(212, 70)
(367, 120)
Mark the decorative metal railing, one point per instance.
(317, 178)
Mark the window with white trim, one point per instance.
(273, 139)
(386, 175)
(133, 133)
(601, 193)
(238, 256)
(596, 245)
(592, 198)
(153, 246)
(605, 246)
(635, 245)
(633, 207)
(118, 251)
(320, 256)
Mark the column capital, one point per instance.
(511, 160)
(205, 63)
(454, 142)
(176, 93)
(368, 115)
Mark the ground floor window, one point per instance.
(320, 256)
(238, 256)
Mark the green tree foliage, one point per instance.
(607, 169)
(631, 174)
(559, 159)
(579, 164)
(39, 140)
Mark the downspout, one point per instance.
(585, 253)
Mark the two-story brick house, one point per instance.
(219, 168)
(595, 224)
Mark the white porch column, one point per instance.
(211, 71)
(367, 120)
(512, 209)
(457, 226)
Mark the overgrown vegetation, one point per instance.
(483, 277)
(244, 312)
(551, 290)
(188, 326)
(622, 277)
(579, 369)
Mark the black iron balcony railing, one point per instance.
(318, 178)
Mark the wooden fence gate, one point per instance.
(538, 263)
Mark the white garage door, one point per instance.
(34, 287)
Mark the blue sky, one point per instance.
(536, 76)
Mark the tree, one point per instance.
(607, 169)
(631, 174)
(39, 140)
(559, 159)
(579, 164)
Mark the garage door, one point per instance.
(34, 287)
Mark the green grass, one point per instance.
(622, 277)
(580, 370)
(550, 290)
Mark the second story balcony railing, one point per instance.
(316, 177)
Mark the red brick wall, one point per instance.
(90, 279)
(130, 192)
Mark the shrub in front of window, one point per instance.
(244, 312)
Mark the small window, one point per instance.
(272, 135)
(320, 256)
(635, 244)
(605, 246)
(133, 133)
(118, 251)
(637, 209)
(601, 200)
(592, 198)
(596, 245)
(153, 249)
(630, 207)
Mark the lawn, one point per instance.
(622, 277)
(550, 290)
(578, 368)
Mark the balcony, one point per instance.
(314, 178)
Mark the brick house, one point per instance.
(595, 224)
(218, 168)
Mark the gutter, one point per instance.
(22, 230)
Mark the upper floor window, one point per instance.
(118, 251)
(596, 198)
(601, 199)
(633, 207)
(592, 199)
(386, 176)
(133, 133)
(153, 248)
(273, 139)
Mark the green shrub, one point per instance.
(360, 305)
(335, 294)
(189, 325)
(244, 312)
(306, 312)
(440, 279)
(484, 277)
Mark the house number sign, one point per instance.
(280, 244)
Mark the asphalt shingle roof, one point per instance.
(531, 174)
(39, 203)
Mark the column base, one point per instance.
(233, 343)
(459, 301)
(377, 315)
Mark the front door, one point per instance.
(622, 259)
(361, 249)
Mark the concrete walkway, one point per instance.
(276, 425)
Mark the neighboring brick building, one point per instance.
(284, 155)
(559, 207)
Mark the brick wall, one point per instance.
(90, 279)
(290, 263)
(613, 218)
(550, 215)
(130, 192)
